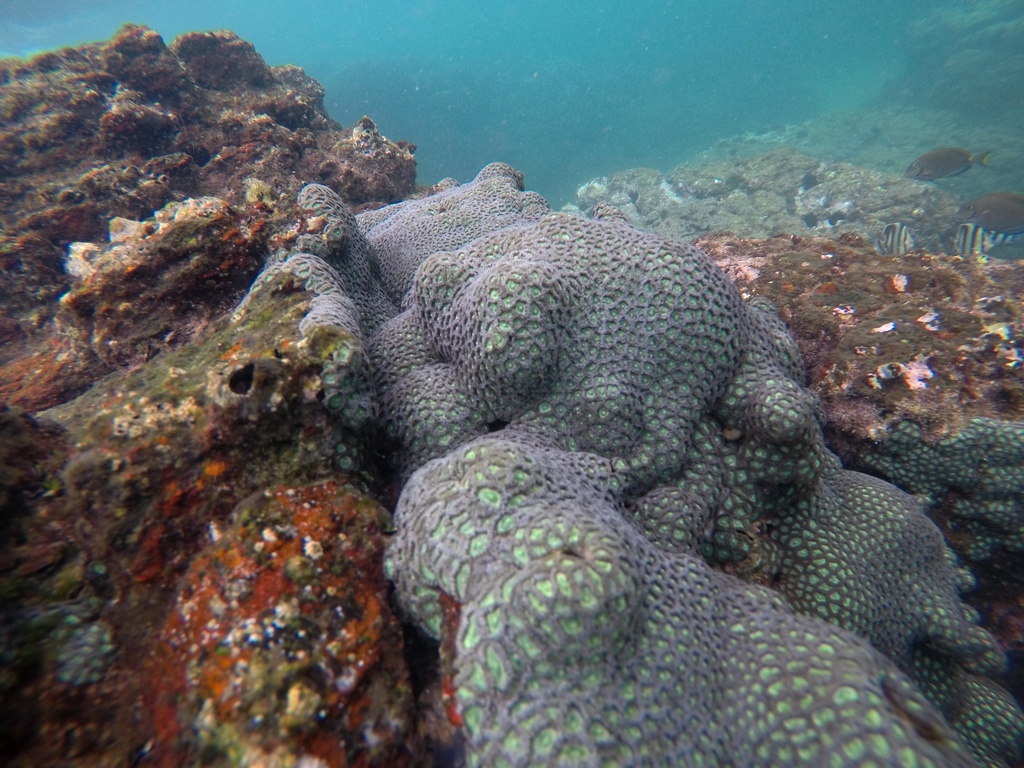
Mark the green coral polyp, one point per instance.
(608, 361)
(490, 497)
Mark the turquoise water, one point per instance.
(569, 90)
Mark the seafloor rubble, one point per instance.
(621, 532)
(780, 191)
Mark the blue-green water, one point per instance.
(569, 90)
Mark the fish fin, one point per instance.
(981, 159)
(911, 241)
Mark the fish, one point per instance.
(997, 212)
(972, 240)
(896, 240)
(1011, 249)
(944, 162)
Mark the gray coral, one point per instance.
(404, 234)
(598, 336)
(580, 643)
(648, 422)
(852, 550)
(982, 465)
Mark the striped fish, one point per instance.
(896, 240)
(972, 240)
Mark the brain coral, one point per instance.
(645, 424)
(983, 465)
(846, 547)
(581, 643)
(588, 332)
(850, 549)
(406, 233)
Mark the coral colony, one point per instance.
(590, 414)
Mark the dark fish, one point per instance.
(999, 212)
(972, 240)
(1011, 249)
(896, 240)
(940, 163)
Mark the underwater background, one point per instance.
(759, 346)
(567, 91)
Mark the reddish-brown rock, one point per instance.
(281, 644)
(146, 499)
(123, 127)
(923, 336)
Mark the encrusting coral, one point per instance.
(586, 411)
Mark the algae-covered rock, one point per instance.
(159, 458)
(280, 645)
(122, 128)
(160, 281)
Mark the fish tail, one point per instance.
(981, 159)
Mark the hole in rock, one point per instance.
(808, 181)
(240, 380)
(199, 154)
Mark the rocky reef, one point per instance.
(119, 129)
(922, 336)
(779, 191)
(464, 480)
(188, 572)
(170, 598)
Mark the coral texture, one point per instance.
(983, 465)
(588, 332)
(599, 351)
(916, 361)
(405, 234)
(582, 643)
